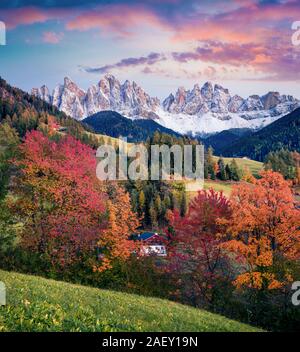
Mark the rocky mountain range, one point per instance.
(217, 99)
(207, 109)
(109, 94)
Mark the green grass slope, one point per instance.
(254, 166)
(218, 186)
(38, 304)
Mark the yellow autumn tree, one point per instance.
(247, 176)
(114, 241)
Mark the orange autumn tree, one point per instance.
(264, 228)
(114, 242)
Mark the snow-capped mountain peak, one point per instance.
(206, 109)
(109, 94)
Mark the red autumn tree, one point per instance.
(60, 200)
(196, 257)
(264, 228)
(68, 213)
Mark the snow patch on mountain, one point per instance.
(201, 110)
(210, 123)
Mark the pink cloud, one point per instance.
(277, 59)
(249, 22)
(234, 54)
(122, 20)
(253, 34)
(148, 70)
(52, 37)
(29, 15)
(182, 28)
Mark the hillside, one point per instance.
(38, 304)
(113, 124)
(218, 186)
(12, 98)
(254, 166)
(25, 112)
(225, 139)
(283, 133)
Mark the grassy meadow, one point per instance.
(38, 304)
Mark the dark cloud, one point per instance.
(150, 59)
(49, 3)
(87, 3)
(218, 52)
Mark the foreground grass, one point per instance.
(38, 304)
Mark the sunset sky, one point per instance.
(244, 45)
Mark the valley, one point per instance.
(80, 230)
(149, 172)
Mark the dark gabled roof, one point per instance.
(144, 236)
(147, 235)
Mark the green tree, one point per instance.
(153, 216)
(8, 230)
(228, 172)
(135, 200)
(222, 172)
(183, 203)
(209, 155)
(9, 140)
(281, 161)
(142, 202)
(212, 173)
(236, 172)
(157, 204)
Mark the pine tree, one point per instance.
(209, 155)
(135, 200)
(167, 202)
(142, 202)
(222, 173)
(157, 205)
(183, 203)
(212, 174)
(281, 161)
(228, 172)
(205, 171)
(236, 172)
(172, 201)
(153, 215)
